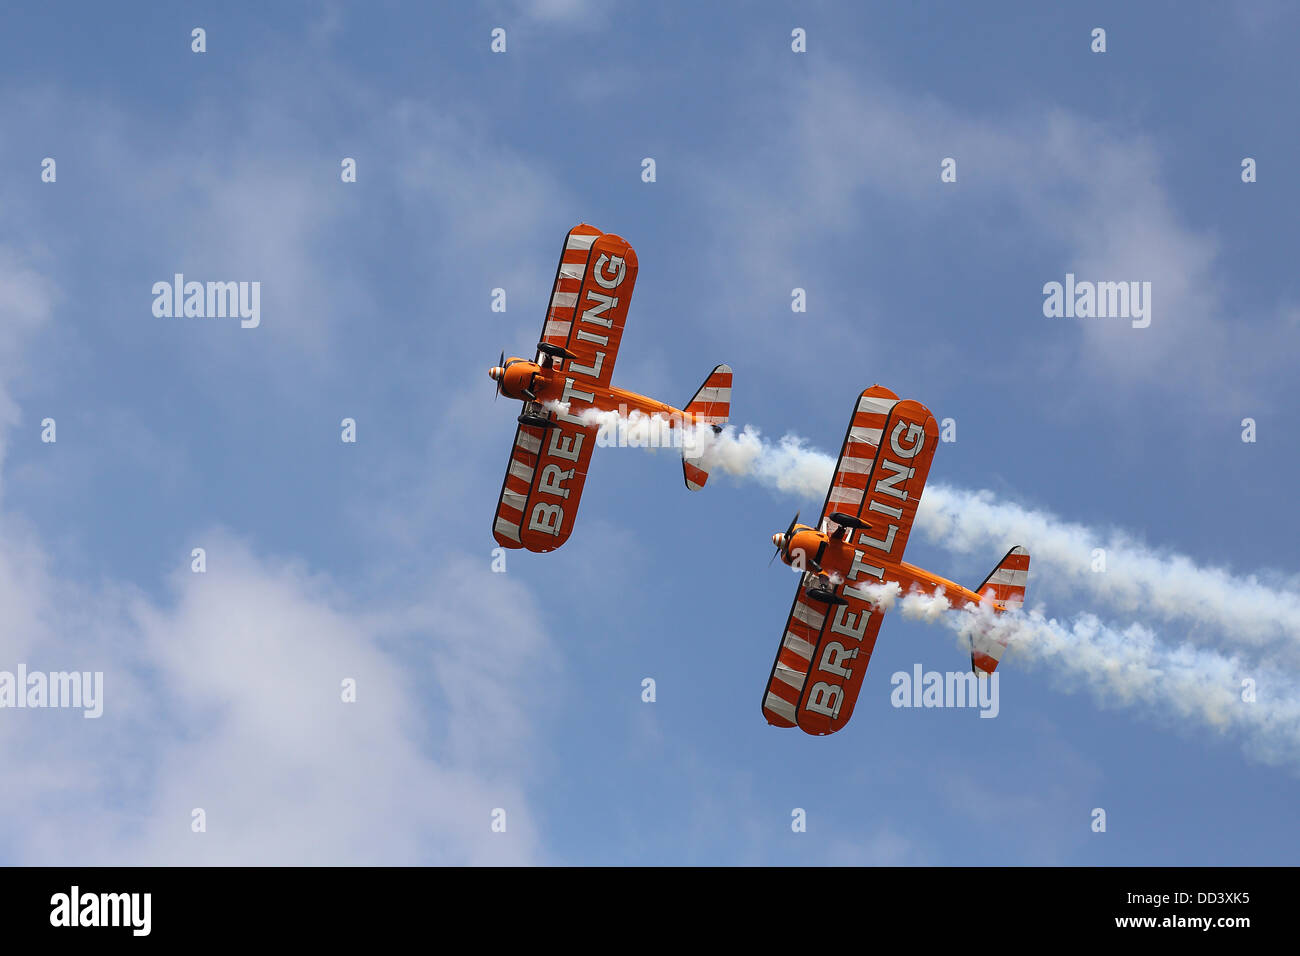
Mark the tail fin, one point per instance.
(712, 404)
(1005, 587)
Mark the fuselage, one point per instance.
(811, 550)
(519, 376)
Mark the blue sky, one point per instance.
(522, 690)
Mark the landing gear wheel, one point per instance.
(825, 596)
(535, 416)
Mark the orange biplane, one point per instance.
(571, 376)
(864, 526)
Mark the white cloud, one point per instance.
(226, 695)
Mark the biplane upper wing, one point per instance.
(589, 301)
(548, 466)
(893, 488)
(821, 661)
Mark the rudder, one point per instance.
(1005, 586)
(711, 404)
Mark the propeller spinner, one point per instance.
(782, 541)
(497, 373)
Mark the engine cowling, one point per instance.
(516, 377)
(802, 548)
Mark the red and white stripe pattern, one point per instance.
(524, 455)
(853, 470)
(793, 659)
(986, 652)
(711, 405)
(899, 472)
(839, 663)
(1008, 581)
(1006, 585)
(811, 627)
(568, 282)
(694, 475)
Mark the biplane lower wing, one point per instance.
(858, 453)
(569, 276)
(793, 659)
(543, 484)
(821, 662)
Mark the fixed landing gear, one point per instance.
(535, 415)
(822, 591)
(825, 597)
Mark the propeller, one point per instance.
(783, 549)
(501, 364)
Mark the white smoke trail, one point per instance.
(914, 604)
(788, 466)
(1133, 667)
(638, 430)
(1135, 577)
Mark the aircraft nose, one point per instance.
(494, 372)
(776, 539)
